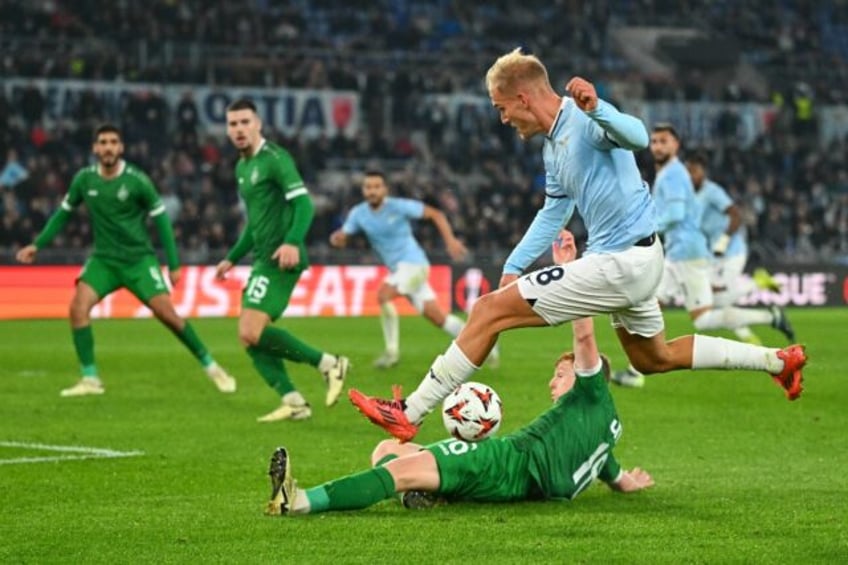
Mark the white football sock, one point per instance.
(453, 325)
(327, 361)
(633, 371)
(742, 287)
(301, 503)
(743, 333)
(730, 318)
(391, 327)
(447, 372)
(294, 398)
(718, 353)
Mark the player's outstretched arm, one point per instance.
(631, 481)
(242, 247)
(735, 221)
(338, 238)
(456, 249)
(169, 244)
(542, 231)
(55, 224)
(564, 250)
(624, 130)
(27, 254)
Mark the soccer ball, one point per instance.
(472, 412)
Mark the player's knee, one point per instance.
(655, 362)
(385, 447)
(78, 310)
(485, 309)
(249, 336)
(385, 294)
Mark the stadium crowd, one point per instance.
(793, 189)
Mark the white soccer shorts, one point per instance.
(413, 281)
(727, 270)
(622, 284)
(691, 279)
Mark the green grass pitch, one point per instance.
(742, 475)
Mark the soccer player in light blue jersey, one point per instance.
(721, 223)
(688, 257)
(589, 163)
(386, 223)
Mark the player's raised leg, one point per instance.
(492, 313)
(268, 346)
(655, 355)
(146, 282)
(163, 309)
(452, 325)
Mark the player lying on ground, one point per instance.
(387, 223)
(590, 166)
(557, 456)
(119, 198)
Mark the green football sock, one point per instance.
(280, 343)
(352, 492)
(385, 459)
(193, 343)
(84, 346)
(272, 370)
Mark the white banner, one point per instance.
(697, 122)
(309, 113)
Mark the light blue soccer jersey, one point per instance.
(679, 213)
(714, 202)
(589, 164)
(388, 229)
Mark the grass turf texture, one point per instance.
(742, 475)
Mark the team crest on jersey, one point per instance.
(254, 176)
(123, 193)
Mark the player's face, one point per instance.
(696, 173)
(515, 111)
(563, 379)
(374, 190)
(108, 149)
(244, 129)
(663, 146)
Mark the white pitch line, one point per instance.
(81, 451)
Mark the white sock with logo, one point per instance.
(453, 325)
(731, 295)
(731, 317)
(447, 372)
(391, 327)
(719, 353)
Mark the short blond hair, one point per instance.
(515, 68)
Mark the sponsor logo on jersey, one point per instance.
(92, 193)
(123, 193)
(254, 176)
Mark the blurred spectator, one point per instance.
(794, 193)
(13, 172)
(187, 117)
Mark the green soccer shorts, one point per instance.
(269, 289)
(143, 278)
(493, 470)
